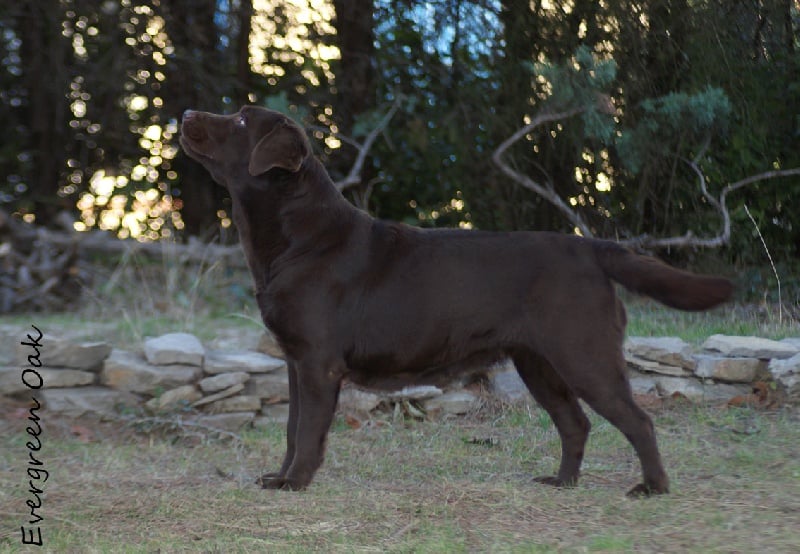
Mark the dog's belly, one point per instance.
(384, 373)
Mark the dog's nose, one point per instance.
(188, 114)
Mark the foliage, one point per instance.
(94, 92)
(676, 124)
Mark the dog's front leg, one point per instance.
(313, 399)
(291, 429)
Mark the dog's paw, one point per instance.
(278, 482)
(267, 478)
(554, 481)
(644, 491)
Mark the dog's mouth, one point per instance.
(194, 137)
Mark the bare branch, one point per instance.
(689, 240)
(100, 242)
(545, 191)
(354, 176)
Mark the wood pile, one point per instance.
(37, 275)
(45, 270)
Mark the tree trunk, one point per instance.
(44, 53)
(197, 78)
(355, 80)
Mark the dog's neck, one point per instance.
(283, 211)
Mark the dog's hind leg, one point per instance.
(556, 397)
(597, 375)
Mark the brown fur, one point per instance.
(384, 304)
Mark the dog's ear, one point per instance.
(284, 147)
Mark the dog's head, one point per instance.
(245, 144)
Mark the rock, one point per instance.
(236, 339)
(415, 392)
(506, 384)
(275, 412)
(792, 341)
(226, 422)
(223, 381)
(235, 389)
(354, 400)
(238, 403)
(643, 385)
(61, 378)
(269, 345)
(76, 402)
(698, 391)
(734, 370)
(174, 348)
(750, 347)
(274, 386)
(126, 371)
(453, 402)
(670, 351)
(226, 361)
(11, 381)
(57, 352)
(649, 366)
(786, 374)
(178, 397)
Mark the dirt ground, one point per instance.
(395, 484)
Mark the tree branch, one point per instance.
(545, 191)
(724, 236)
(354, 176)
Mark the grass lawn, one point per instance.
(411, 486)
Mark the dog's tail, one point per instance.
(672, 287)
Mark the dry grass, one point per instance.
(408, 486)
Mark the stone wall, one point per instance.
(229, 388)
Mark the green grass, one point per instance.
(409, 486)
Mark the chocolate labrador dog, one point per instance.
(384, 305)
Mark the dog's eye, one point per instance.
(240, 122)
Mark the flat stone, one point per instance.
(75, 402)
(786, 374)
(354, 400)
(238, 403)
(734, 370)
(226, 422)
(235, 339)
(698, 391)
(792, 341)
(268, 344)
(174, 348)
(178, 397)
(11, 381)
(506, 384)
(649, 366)
(453, 402)
(416, 392)
(670, 351)
(57, 352)
(223, 381)
(127, 371)
(643, 385)
(60, 378)
(274, 386)
(750, 347)
(235, 389)
(275, 412)
(227, 361)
